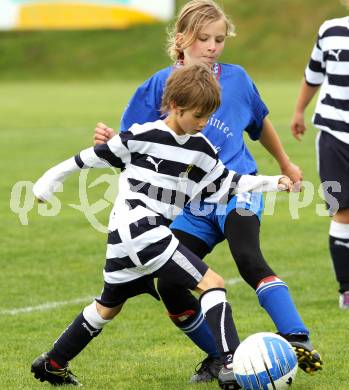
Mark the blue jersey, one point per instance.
(241, 110)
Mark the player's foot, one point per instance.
(226, 379)
(207, 370)
(344, 300)
(309, 359)
(44, 371)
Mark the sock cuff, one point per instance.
(269, 282)
(194, 324)
(92, 316)
(339, 230)
(211, 298)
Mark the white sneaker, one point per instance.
(344, 300)
(226, 379)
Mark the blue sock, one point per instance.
(197, 329)
(274, 297)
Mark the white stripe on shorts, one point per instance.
(184, 263)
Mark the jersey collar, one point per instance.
(217, 68)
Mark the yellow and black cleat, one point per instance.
(309, 359)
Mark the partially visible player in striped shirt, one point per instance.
(329, 68)
(165, 164)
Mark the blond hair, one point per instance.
(192, 87)
(192, 17)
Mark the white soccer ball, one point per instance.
(265, 361)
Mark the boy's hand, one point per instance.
(285, 184)
(45, 187)
(102, 134)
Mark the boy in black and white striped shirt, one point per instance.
(164, 165)
(329, 68)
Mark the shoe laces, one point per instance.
(205, 365)
(63, 372)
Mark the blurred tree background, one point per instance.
(274, 40)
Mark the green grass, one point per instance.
(271, 35)
(61, 258)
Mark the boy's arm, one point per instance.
(314, 76)
(306, 94)
(52, 179)
(220, 185)
(115, 153)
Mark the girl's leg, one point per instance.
(242, 233)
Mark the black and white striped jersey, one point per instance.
(329, 66)
(161, 172)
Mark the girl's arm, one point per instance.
(272, 143)
(144, 106)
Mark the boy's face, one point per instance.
(209, 44)
(187, 121)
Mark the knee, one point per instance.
(253, 267)
(108, 313)
(342, 216)
(219, 281)
(211, 280)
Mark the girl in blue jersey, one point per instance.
(198, 36)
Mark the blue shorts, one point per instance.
(206, 220)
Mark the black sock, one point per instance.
(73, 340)
(339, 249)
(220, 320)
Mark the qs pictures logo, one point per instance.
(95, 194)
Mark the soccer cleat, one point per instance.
(207, 370)
(44, 371)
(226, 379)
(344, 300)
(309, 359)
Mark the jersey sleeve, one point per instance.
(259, 112)
(144, 105)
(221, 184)
(316, 68)
(114, 153)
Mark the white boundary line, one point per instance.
(233, 281)
(43, 307)
(53, 305)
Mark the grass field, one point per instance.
(57, 260)
(270, 35)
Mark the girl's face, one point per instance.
(208, 45)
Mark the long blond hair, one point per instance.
(191, 18)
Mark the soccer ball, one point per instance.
(265, 361)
